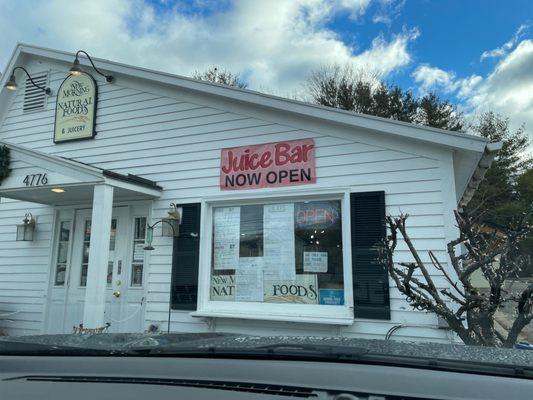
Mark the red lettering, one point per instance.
(282, 153)
(306, 150)
(251, 164)
(227, 168)
(330, 215)
(266, 159)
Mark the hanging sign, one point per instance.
(75, 108)
(287, 163)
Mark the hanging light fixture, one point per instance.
(26, 229)
(170, 226)
(11, 84)
(76, 70)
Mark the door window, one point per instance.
(137, 265)
(62, 253)
(85, 252)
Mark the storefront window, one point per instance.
(288, 252)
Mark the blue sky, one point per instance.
(478, 54)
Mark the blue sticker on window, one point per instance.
(332, 297)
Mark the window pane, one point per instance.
(113, 234)
(85, 256)
(60, 275)
(83, 277)
(287, 253)
(140, 228)
(109, 273)
(87, 234)
(138, 252)
(64, 231)
(62, 253)
(251, 240)
(137, 275)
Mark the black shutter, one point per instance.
(370, 279)
(185, 255)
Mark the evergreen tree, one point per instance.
(366, 93)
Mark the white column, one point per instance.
(95, 291)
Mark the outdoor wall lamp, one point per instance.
(11, 84)
(26, 229)
(170, 226)
(77, 71)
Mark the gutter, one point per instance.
(491, 150)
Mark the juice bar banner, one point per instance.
(287, 163)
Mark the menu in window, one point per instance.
(227, 224)
(249, 279)
(278, 242)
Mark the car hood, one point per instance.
(120, 342)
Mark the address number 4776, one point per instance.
(35, 180)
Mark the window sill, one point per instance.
(308, 319)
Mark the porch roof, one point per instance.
(28, 167)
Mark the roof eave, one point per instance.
(440, 137)
(489, 154)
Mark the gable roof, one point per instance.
(470, 148)
(78, 178)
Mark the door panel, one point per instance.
(124, 307)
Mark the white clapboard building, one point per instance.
(140, 201)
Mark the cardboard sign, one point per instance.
(75, 108)
(223, 287)
(302, 290)
(268, 165)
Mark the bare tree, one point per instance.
(222, 77)
(468, 310)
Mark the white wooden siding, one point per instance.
(177, 143)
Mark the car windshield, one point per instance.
(347, 182)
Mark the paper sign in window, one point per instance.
(315, 261)
(249, 279)
(278, 241)
(227, 223)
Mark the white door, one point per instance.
(125, 278)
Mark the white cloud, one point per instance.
(508, 89)
(429, 77)
(274, 43)
(504, 49)
(388, 11)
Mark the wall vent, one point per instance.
(35, 98)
